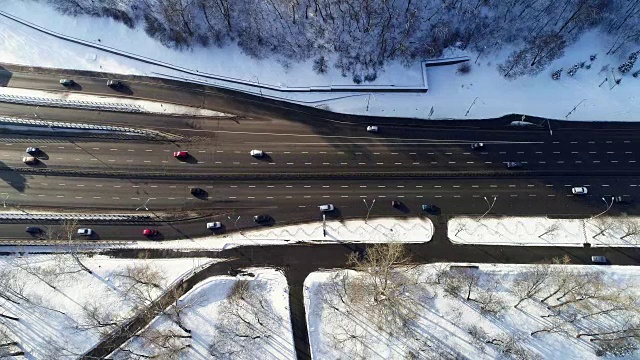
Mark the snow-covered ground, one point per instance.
(541, 231)
(481, 93)
(144, 105)
(374, 231)
(441, 312)
(63, 309)
(215, 311)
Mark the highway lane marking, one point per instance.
(218, 162)
(493, 186)
(542, 162)
(520, 152)
(470, 162)
(380, 163)
(574, 142)
(302, 206)
(604, 185)
(269, 197)
(41, 195)
(398, 164)
(614, 161)
(304, 152)
(381, 186)
(307, 163)
(430, 153)
(97, 197)
(202, 151)
(632, 161)
(530, 185)
(252, 186)
(343, 163)
(609, 142)
(269, 186)
(148, 150)
(131, 150)
(326, 196)
(628, 152)
(62, 184)
(538, 152)
(591, 142)
(548, 185)
(236, 163)
(325, 163)
(78, 197)
(307, 186)
(232, 197)
(533, 195)
(199, 162)
(58, 158)
(502, 152)
(219, 151)
(438, 196)
(513, 195)
(288, 186)
(400, 186)
(437, 186)
(578, 161)
(80, 185)
(416, 163)
(592, 152)
(117, 186)
(344, 186)
(419, 196)
(307, 196)
(550, 195)
(556, 152)
(596, 161)
(147, 161)
(60, 196)
(626, 141)
(251, 197)
(358, 153)
(452, 162)
(112, 160)
(362, 163)
(288, 197)
(165, 161)
(341, 152)
(412, 153)
(287, 152)
(556, 142)
(466, 153)
(323, 152)
(381, 196)
(574, 152)
(610, 152)
(93, 159)
(633, 185)
(488, 162)
(99, 185)
(363, 186)
(448, 153)
(234, 186)
(456, 186)
(394, 153)
(376, 153)
(560, 162)
(115, 198)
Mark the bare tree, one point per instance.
(530, 283)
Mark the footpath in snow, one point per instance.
(411, 230)
(146, 106)
(228, 318)
(475, 311)
(540, 231)
(62, 310)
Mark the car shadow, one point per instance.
(190, 159)
(123, 89)
(265, 157)
(157, 237)
(74, 87)
(41, 155)
(402, 207)
(270, 221)
(221, 230)
(333, 215)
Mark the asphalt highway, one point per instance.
(300, 140)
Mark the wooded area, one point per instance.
(365, 34)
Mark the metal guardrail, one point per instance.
(75, 126)
(83, 217)
(76, 104)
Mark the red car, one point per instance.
(180, 154)
(150, 232)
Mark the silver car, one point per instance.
(579, 190)
(326, 208)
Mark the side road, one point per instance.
(297, 261)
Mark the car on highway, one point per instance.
(599, 259)
(477, 146)
(396, 203)
(579, 190)
(32, 150)
(196, 191)
(619, 199)
(261, 218)
(181, 154)
(214, 225)
(29, 160)
(372, 128)
(67, 82)
(114, 84)
(256, 153)
(33, 230)
(85, 232)
(514, 165)
(326, 208)
(150, 232)
(430, 208)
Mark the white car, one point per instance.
(29, 160)
(256, 153)
(372, 128)
(579, 190)
(85, 231)
(214, 225)
(326, 208)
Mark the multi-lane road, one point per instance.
(311, 158)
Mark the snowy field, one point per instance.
(442, 311)
(541, 231)
(374, 231)
(60, 310)
(144, 105)
(481, 93)
(228, 318)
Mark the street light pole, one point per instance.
(490, 206)
(235, 223)
(609, 205)
(368, 208)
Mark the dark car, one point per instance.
(619, 199)
(67, 82)
(514, 165)
(197, 191)
(150, 232)
(599, 259)
(430, 208)
(33, 230)
(396, 203)
(261, 218)
(114, 84)
(476, 146)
